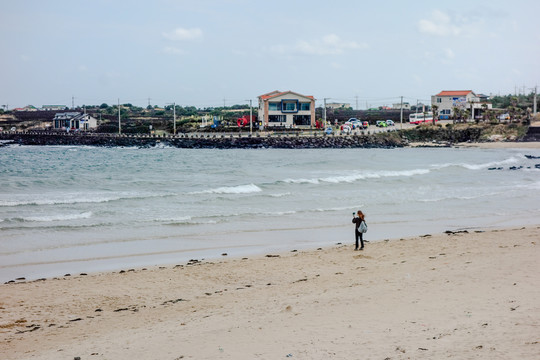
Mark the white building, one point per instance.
(74, 121)
(334, 105)
(447, 100)
(398, 106)
(287, 109)
(53, 107)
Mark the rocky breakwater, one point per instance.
(211, 141)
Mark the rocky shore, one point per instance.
(425, 136)
(213, 141)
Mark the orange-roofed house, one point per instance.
(447, 100)
(287, 109)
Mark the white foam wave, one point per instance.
(69, 199)
(64, 217)
(180, 219)
(240, 189)
(348, 208)
(511, 160)
(462, 197)
(359, 176)
(301, 181)
(280, 195)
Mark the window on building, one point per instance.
(289, 105)
(305, 106)
(302, 119)
(439, 100)
(277, 118)
(273, 106)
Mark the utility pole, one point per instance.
(324, 111)
(250, 118)
(72, 102)
(534, 100)
(401, 114)
(174, 118)
(356, 97)
(534, 107)
(119, 124)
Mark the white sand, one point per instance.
(461, 296)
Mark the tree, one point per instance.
(103, 106)
(456, 111)
(484, 111)
(434, 112)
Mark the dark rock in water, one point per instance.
(532, 157)
(537, 166)
(495, 168)
(515, 167)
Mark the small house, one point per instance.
(74, 121)
(287, 109)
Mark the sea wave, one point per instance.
(75, 198)
(240, 189)
(358, 176)
(60, 217)
(460, 197)
(279, 195)
(511, 160)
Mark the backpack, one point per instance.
(363, 227)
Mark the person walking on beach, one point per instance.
(359, 229)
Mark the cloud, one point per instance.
(327, 45)
(173, 50)
(181, 34)
(449, 53)
(82, 68)
(440, 24)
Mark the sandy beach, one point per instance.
(461, 295)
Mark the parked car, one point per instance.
(345, 129)
(365, 124)
(381, 123)
(354, 123)
(390, 122)
(328, 130)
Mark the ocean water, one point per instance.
(85, 209)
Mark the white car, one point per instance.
(345, 129)
(354, 124)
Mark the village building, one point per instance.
(447, 100)
(26, 108)
(74, 121)
(399, 106)
(335, 105)
(287, 108)
(54, 107)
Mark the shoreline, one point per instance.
(457, 295)
(245, 141)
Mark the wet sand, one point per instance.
(461, 295)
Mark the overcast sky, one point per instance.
(210, 53)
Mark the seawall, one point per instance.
(209, 141)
